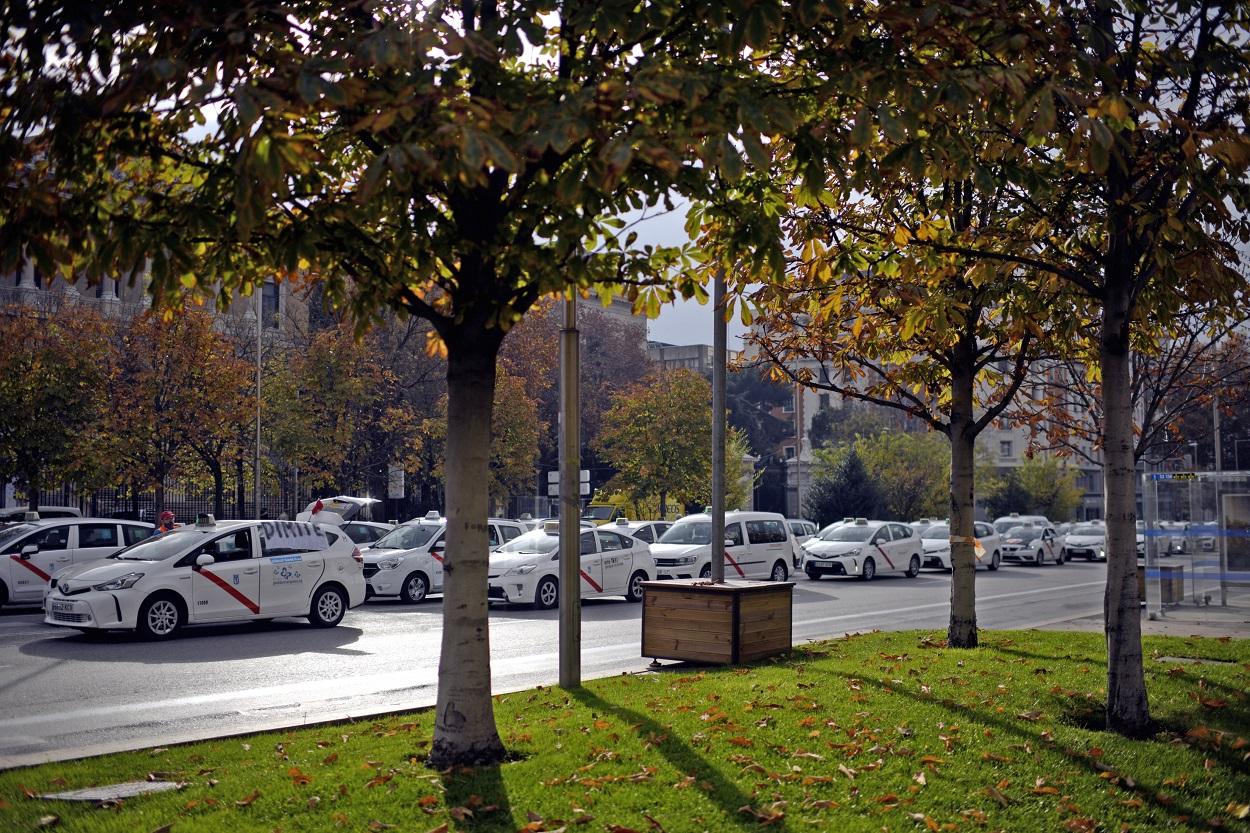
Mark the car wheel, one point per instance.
(706, 572)
(547, 594)
(779, 573)
(913, 568)
(4, 594)
(160, 617)
(1038, 559)
(1061, 557)
(814, 575)
(415, 588)
(634, 592)
(868, 571)
(995, 561)
(329, 605)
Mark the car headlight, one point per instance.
(685, 559)
(120, 583)
(855, 551)
(524, 569)
(388, 564)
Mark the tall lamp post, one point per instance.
(260, 310)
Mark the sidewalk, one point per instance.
(1212, 621)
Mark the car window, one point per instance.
(660, 529)
(766, 532)
(49, 540)
(611, 541)
(797, 528)
(733, 533)
(588, 543)
(97, 535)
(982, 530)
(510, 532)
(233, 546)
(407, 536)
(135, 534)
(644, 534)
(332, 536)
(492, 537)
(359, 533)
(900, 531)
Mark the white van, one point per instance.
(31, 552)
(759, 545)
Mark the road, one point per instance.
(64, 695)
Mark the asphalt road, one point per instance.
(65, 695)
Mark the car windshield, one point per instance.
(407, 537)
(1002, 526)
(1025, 532)
(534, 541)
(1089, 530)
(939, 532)
(159, 547)
(9, 533)
(599, 513)
(691, 532)
(848, 532)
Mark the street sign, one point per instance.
(553, 477)
(395, 481)
(553, 489)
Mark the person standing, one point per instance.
(167, 522)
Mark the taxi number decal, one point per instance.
(30, 567)
(224, 585)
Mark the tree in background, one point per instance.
(842, 488)
(52, 395)
(909, 472)
(1040, 485)
(838, 426)
(658, 436)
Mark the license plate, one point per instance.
(61, 607)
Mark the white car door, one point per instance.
(616, 561)
(884, 552)
(292, 562)
(229, 588)
(34, 558)
(95, 541)
(591, 565)
(905, 542)
(769, 543)
(737, 553)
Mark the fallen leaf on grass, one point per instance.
(1237, 811)
(927, 821)
(164, 828)
(990, 756)
(1030, 715)
(379, 780)
(993, 793)
(297, 776)
(1213, 703)
(1045, 790)
(460, 813)
(377, 826)
(248, 800)
(616, 828)
(847, 771)
(27, 791)
(329, 759)
(48, 821)
(771, 816)
(442, 828)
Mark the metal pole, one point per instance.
(570, 501)
(260, 291)
(1215, 423)
(718, 429)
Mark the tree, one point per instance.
(837, 426)
(454, 163)
(845, 490)
(52, 393)
(176, 383)
(912, 472)
(1041, 485)
(658, 436)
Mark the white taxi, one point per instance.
(213, 572)
(407, 562)
(863, 548)
(646, 531)
(32, 551)
(758, 545)
(1031, 544)
(937, 546)
(527, 570)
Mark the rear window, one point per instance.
(135, 534)
(766, 532)
(97, 535)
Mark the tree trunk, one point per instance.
(464, 725)
(240, 488)
(32, 486)
(663, 505)
(962, 630)
(219, 489)
(1128, 711)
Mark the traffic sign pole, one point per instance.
(718, 429)
(570, 501)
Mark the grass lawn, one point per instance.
(887, 731)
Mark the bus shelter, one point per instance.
(1193, 545)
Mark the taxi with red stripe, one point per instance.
(758, 545)
(865, 549)
(526, 570)
(213, 572)
(32, 551)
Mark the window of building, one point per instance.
(824, 401)
(789, 452)
(1004, 448)
(269, 304)
(788, 405)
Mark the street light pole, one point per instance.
(260, 291)
(570, 500)
(718, 428)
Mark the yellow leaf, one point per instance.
(902, 236)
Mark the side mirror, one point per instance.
(730, 543)
(204, 559)
(29, 550)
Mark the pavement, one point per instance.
(1214, 622)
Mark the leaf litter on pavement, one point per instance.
(872, 732)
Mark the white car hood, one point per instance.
(98, 572)
(678, 550)
(372, 555)
(934, 545)
(1084, 540)
(830, 548)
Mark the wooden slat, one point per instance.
(705, 618)
(764, 634)
(691, 631)
(775, 615)
(766, 601)
(719, 601)
(684, 649)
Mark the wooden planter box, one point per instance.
(737, 621)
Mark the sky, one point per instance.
(682, 322)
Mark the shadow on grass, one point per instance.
(482, 792)
(1149, 794)
(726, 795)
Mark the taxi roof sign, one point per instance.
(552, 527)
